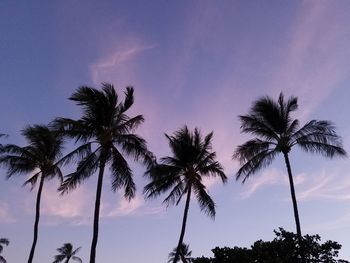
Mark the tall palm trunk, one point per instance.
(187, 205)
(295, 206)
(97, 210)
(37, 217)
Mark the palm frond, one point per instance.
(129, 99)
(257, 126)
(253, 155)
(59, 258)
(135, 146)
(205, 202)
(319, 137)
(122, 175)
(86, 167)
(32, 180)
(175, 194)
(77, 154)
(163, 178)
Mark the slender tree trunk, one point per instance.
(37, 217)
(187, 205)
(295, 206)
(67, 260)
(97, 211)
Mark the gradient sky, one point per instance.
(200, 63)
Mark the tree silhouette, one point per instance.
(40, 159)
(184, 254)
(66, 253)
(106, 134)
(182, 174)
(277, 132)
(6, 242)
(283, 248)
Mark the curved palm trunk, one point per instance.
(97, 211)
(37, 217)
(295, 206)
(187, 205)
(67, 260)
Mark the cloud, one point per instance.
(315, 58)
(75, 204)
(123, 208)
(76, 208)
(325, 185)
(267, 178)
(117, 62)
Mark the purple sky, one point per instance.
(200, 63)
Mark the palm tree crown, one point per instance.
(3, 241)
(106, 134)
(183, 173)
(66, 253)
(277, 132)
(104, 124)
(41, 157)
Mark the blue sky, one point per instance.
(200, 63)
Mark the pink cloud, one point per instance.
(315, 58)
(117, 63)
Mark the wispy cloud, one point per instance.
(319, 185)
(267, 178)
(315, 58)
(325, 185)
(76, 208)
(116, 62)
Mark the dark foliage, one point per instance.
(284, 248)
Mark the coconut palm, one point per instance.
(107, 135)
(183, 173)
(66, 253)
(3, 241)
(39, 159)
(184, 254)
(277, 132)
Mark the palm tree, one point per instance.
(3, 241)
(184, 254)
(183, 172)
(277, 132)
(106, 134)
(66, 253)
(40, 159)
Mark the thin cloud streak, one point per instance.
(314, 57)
(113, 63)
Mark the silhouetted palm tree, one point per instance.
(277, 132)
(3, 241)
(66, 253)
(184, 254)
(40, 159)
(106, 127)
(182, 173)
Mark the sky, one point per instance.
(199, 63)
